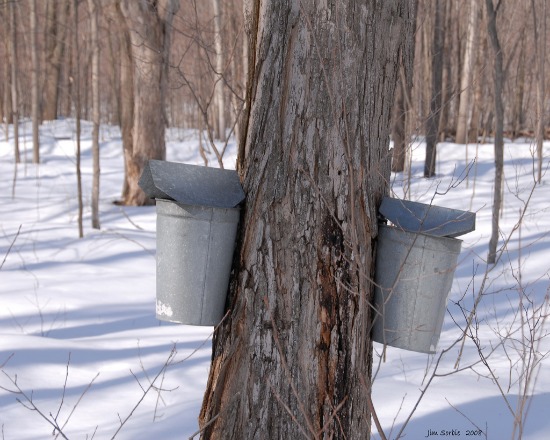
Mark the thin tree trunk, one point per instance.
(451, 52)
(220, 98)
(68, 86)
(35, 97)
(517, 109)
(398, 130)
(468, 67)
(126, 101)
(14, 94)
(480, 105)
(293, 358)
(93, 10)
(78, 110)
(6, 112)
(499, 128)
(540, 48)
(432, 125)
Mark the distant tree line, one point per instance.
(182, 63)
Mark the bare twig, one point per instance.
(146, 391)
(27, 402)
(78, 402)
(206, 425)
(11, 245)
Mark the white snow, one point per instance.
(79, 336)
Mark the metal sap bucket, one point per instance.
(414, 272)
(195, 247)
(197, 219)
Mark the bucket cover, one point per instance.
(191, 184)
(427, 219)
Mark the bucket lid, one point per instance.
(427, 219)
(191, 184)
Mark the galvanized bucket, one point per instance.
(414, 274)
(195, 247)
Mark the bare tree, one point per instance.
(293, 357)
(5, 89)
(468, 67)
(126, 98)
(432, 123)
(78, 110)
(94, 19)
(149, 26)
(220, 98)
(35, 97)
(57, 12)
(13, 79)
(498, 74)
(540, 47)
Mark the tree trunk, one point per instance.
(519, 90)
(14, 94)
(468, 67)
(6, 111)
(479, 104)
(432, 124)
(149, 25)
(78, 111)
(220, 98)
(126, 101)
(57, 13)
(35, 97)
(450, 56)
(93, 11)
(293, 358)
(398, 130)
(499, 128)
(540, 48)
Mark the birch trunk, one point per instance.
(293, 357)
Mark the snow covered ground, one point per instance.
(79, 337)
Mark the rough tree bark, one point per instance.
(498, 75)
(432, 123)
(293, 356)
(149, 25)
